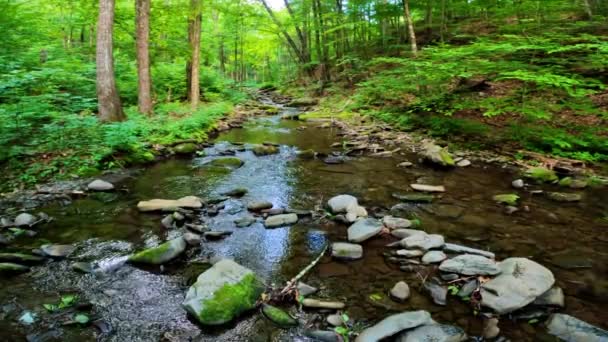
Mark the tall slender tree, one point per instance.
(410, 26)
(194, 39)
(110, 108)
(144, 84)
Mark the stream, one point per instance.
(144, 304)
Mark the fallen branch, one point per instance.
(292, 283)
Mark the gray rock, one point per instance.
(6, 222)
(280, 220)
(403, 210)
(490, 328)
(401, 291)
(236, 192)
(364, 229)
(405, 164)
(160, 254)
(320, 304)
(341, 203)
(564, 197)
(433, 257)
(518, 183)
(168, 221)
(436, 155)
(305, 289)
(463, 163)
(57, 251)
(403, 233)
(553, 297)
(458, 249)
(449, 276)
(428, 188)
(259, 205)
(192, 239)
(323, 335)
(468, 288)
(433, 333)
(169, 205)
(438, 292)
(521, 281)
(409, 253)
(572, 329)
(396, 222)
(25, 219)
(423, 241)
(394, 324)
(100, 185)
(348, 251)
(245, 221)
(222, 293)
(335, 320)
(83, 267)
(470, 264)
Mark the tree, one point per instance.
(410, 26)
(194, 39)
(110, 108)
(142, 28)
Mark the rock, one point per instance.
(333, 160)
(468, 288)
(404, 210)
(160, 254)
(6, 222)
(168, 221)
(236, 192)
(307, 154)
(303, 102)
(354, 213)
(520, 282)
(509, 210)
(438, 292)
(335, 320)
(222, 293)
(280, 220)
(318, 304)
(20, 258)
(409, 253)
(226, 162)
(11, 268)
(490, 328)
(346, 204)
(259, 205)
(573, 183)
(509, 199)
(364, 229)
(437, 155)
(572, 329)
(348, 251)
(185, 148)
(401, 291)
(463, 163)
(245, 221)
(197, 228)
(564, 197)
(405, 164)
(192, 239)
(264, 150)
(278, 316)
(553, 297)
(433, 333)
(396, 222)
(423, 241)
(393, 325)
(433, 257)
(83, 267)
(100, 185)
(518, 183)
(403, 233)
(57, 251)
(177, 216)
(216, 234)
(25, 219)
(428, 188)
(541, 175)
(470, 264)
(414, 197)
(305, 289)
(169, 205)
(458, 249)
(324, 336)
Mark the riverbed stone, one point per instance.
(541, 175)
(167, 221)
(564, 196)
(244, 221)
(574, 183)
(346, 204)
(433, 333)
(403, 233)
(20, 258)
(438, 292)
(264, 150)
(57, 251)
(100, 185)
(349, 251)
(414, 197)
(428, 188)
(520, 282)
(305, 289)
(459, 249)
(470, 264)
(227, 162)
(394, 324)
(236, 192)
(259, 205)
(396, 222)
(335, 320)
(222, 293)
(409, 253)
(160, 254)
(12, 268)
(400, 292)
(169, 205)
(572, 329)
(518, 183)
(278, 316)
(423, 241)
(490, 328)
(463, 163)
(553, 297)
(192, 239)
(25, 219)
(437, 155)
(433, 257)
(185, 148)
(280, 220)
(82, 267)
(323, 335)
(364, 229)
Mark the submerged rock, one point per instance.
(278, 316)
(185, 148)
(25, 219)
(364, 229)
(169, 205)
(349, 251)
(433, 333)
(222, 293)
(11, 268)
(280, 220)
(400, 292)
(541, 175)
(564, 197)
(244, 221)
(264, 150)
(470, 264)
(236, 192)
(572, 329)
(521, 281)
(161, 253)
(428, 188)
(57, 251)
(83, 267)
(226, 162)
(394, 324)
(414, 197)
(437, 155)
(100, 185)
(192, 239)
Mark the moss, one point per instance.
(151, 255)
(509, 199)
(263, 150)
(565, 181)
(227, 162)
(230, 301)
(7, 267)
(278, 316)
(446, 157)
(541, 174)
(185, 148)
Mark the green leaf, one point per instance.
(82, 318)
(533, 321)
(67, 300)
(50, 307)
(345, 318)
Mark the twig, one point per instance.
(294, 280)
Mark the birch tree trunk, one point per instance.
(144, 81)
(194, 38)
(410, 26)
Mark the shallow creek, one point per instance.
(144, 304)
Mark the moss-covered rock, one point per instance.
(564, 197)
(278, 316)
(21, 258)
(160, 254)
(222, 293)
(264, 150)
(573, 183)
(303, 102)
(509, 199)
(227, 162)
(185, 148)
(307, 154)
(11, 268)
(541, 175)
(437, 155)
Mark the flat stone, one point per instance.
(348, 251)
(433, 333)
(169, 205)
(520, 282)
(230, 163)
(518, 183)
(324, 335)
(192, 239)
(100, 185)
(393, 325)
(423, 241)
(458, 249)
(463, 163)
(401, 291)
(319, 304)
(409, 253)
(405, 164)
(403, 233)
(259, 205)
(572, 329)
(280, 220)
(414, 197)
(244, 221)
(57, 251)
(438, 292)
(236, 192)
(564, 196)
(553, 297)
(160, 254)
(470, 264)
(396, 222)
(83, 267)
(468, 288)
(364, 229)
(433, 257)
(25, 219)
(305, 289)
(335, 320)
(428, 188)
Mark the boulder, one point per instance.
(192, 239)
(394, 324)
(349, 251)
(520, 282)
(470, 264)
(160, 254)
(553, 297)
(222, 293)
(428, 188)
(458, 249)
(100, 185)
(433, 333)
(391, 222)
(433, 257)
(185, 148)
(423, 241)
(264, 150)
(400, 292)
(259, 205)
(437, 155)
(280, 220)
(244, 221)
(364, 229)
(278, 316)
(226, 162)
(518, 183)
(572, 329)
(57, 251)
(541, 175)
(25, 219)
(169, 205)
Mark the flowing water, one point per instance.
(144, 304)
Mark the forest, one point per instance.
(174, 170)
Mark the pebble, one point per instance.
(518, 183)
(335, 320)
(401, 291)
(490, 328)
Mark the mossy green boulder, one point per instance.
(573, 183)
(160, 254)
(437, 155)
(564, 196)
(541, 175)
(185, 148)
(222, 293)
(227, 162)
(264, 150)
(509, 199)
(278, 316)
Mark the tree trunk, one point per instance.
(588, 10)
(144, 84)
(194, 38)
(410, 26)
(110, 108)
